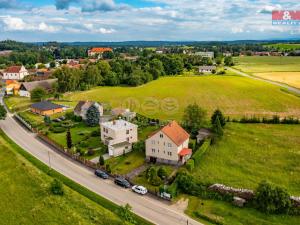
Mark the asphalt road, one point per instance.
(291, 89)
(156, 211)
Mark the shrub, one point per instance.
(126, 214)
(83, 144)
(198, 154)
(57, 187)
(271, 199)
(57, 129)
(190, 165)
(95, 133)
(218, 114)
(90, 152)
(108, 169)
(101, 160)
(162, 173)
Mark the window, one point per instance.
(153, 142)
(161, 135)
(169, 145)
(153, 150)
(127, 131)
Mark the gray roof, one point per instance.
(45, 105)
(46, 84)
(207, 67)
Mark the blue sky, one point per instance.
(124, 20)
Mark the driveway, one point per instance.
(158, 212)
(291, 89)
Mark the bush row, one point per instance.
(274, 120)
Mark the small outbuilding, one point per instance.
(46, 108)
(207, 69)
(203, 134)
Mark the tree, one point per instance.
(92, 116)
(217, 128)
(2, 112)
(47, 120)
(162, 173)
(101, 160)
(38, 94)
(156, 68)
(52, 64)
(57, 187)
(271, 199)
(69, 139)
(126, 214)
(218, 113)
(228, 61)
(193, 118)
(92, 75)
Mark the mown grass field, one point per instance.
(167, 97)
(227, 214)
(26, 199)
(250, 153)
(262, 64)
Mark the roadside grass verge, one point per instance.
(68, 182)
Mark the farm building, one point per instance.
(207, 69)
(15, 73)
(83, 106)
(46, 108)
(27, 87)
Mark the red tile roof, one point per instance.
(101, 50)
(175, 132)
(13, 69)
(185, 151)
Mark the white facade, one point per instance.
(161, 148)
(118, 135)
(206, 54)
(24, 93)
(16, 75)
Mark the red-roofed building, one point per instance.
(169, 145)
(15, 73)
(98, 51)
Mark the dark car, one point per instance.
(100, 173)
(122, 182)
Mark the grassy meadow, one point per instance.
(227, 214)
(284, 46)
(250, 153)
(26, 199)
(167, 97)
(263, 64)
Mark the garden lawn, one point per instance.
(261, 64)
(228, 214)
(26, 198)
(16, 104)
(167, 97)
(124, 164)
(250, 153)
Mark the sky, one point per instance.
(149, 20)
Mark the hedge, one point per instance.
(200, 152)
(70, 183)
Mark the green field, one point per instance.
(228, 214)
(250, 153)
(261, 64)
(284, 46)
(167, 97)
(26, 199)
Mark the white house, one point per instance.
(15, 73)
(83, 106)
(206, 54)
(169, 145)
(27, 87)
(118, 135)
(207, 69)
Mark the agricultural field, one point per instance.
(290, 78)
(167, 97)
(263, 64)
(26, 198)
(251, 153)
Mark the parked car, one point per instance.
(139, 189)
(100, 173)
(122, 182)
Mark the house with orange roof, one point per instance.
(15, 73)
(12, 87)
(169, 145)
(98, 51)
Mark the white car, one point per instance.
(139, 189)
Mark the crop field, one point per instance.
(167, 97)
(250, 153)
(26, 198)
(263, 64)
(290, 78)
